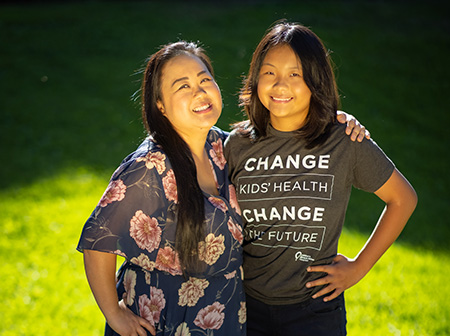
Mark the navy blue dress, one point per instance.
(137, 217)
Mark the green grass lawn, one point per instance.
(68, 72)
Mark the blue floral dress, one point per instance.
(136, 218)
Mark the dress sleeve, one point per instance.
(132, 215)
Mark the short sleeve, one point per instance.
(372, 167)
(130, 218)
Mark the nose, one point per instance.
(280, 83)
(199, 91)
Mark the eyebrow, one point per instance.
(269, 64)
(186, 78)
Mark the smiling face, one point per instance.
(190, 98)
(282, 89)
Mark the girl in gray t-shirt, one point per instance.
(293, 169)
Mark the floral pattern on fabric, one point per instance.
(137, 217)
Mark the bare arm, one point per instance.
(101, 274)
(343, 273)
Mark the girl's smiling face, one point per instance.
(190, 98)
(282, 89)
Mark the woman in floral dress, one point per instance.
(171, 212)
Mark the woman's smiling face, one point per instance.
(282, 89)
(190, 97)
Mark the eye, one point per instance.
(295, 74)
(206, 79)
(268, 73)
(184, 86)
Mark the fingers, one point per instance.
(130, 324)
(352, 126)
(330, 288)
(335, 281)
(143, 322)
(341, 117)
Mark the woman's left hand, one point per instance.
(354, 127)
(343, 273)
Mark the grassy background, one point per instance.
(68, 72)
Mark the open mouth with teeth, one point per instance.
(281, 100)
(203, 108)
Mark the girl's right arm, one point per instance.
(101, 274)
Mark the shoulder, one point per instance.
(148, 155)
(239, 135)
(215, 134)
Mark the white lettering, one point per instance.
(263, 163)
(247, 164)
(277, 162)
(246, 213)
(286, 213)
(277, 187)
(295, 163)
(304, 213)
(291, 161)
(274, 214)
(309, 162)
(324, 161)
(318, 214)
(261, 215)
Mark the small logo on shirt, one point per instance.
(299, 256)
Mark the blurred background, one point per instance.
(70, 74)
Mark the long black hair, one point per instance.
(318, 75)
(191, 212)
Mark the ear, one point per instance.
(160, 106)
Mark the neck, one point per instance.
(196, 143)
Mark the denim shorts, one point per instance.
(311, 318)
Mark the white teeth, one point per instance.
(202, 108)
(281, 99)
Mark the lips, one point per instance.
(202, 107)
(281, 100)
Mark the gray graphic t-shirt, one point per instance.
(293, 202)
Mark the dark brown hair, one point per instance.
(317, 73)
(191, 212)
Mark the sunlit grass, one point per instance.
(45, 292)
(404, 294)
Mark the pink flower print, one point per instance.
(183, 330)
(242, 313)
(167, 261)
(191, 291)
(154, 160)
(231, 275)
(233, 199)
(114, 192)
(210, 317)
(218, 203)
(235, 230)
(217, 154)
(129, 283)
(214, 174)
(211, 249)
(145, 231)
(170, 186)
(150, 309)
(144, 262)
(119, 252)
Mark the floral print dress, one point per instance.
(136, 218)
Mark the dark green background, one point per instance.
(69, 70)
